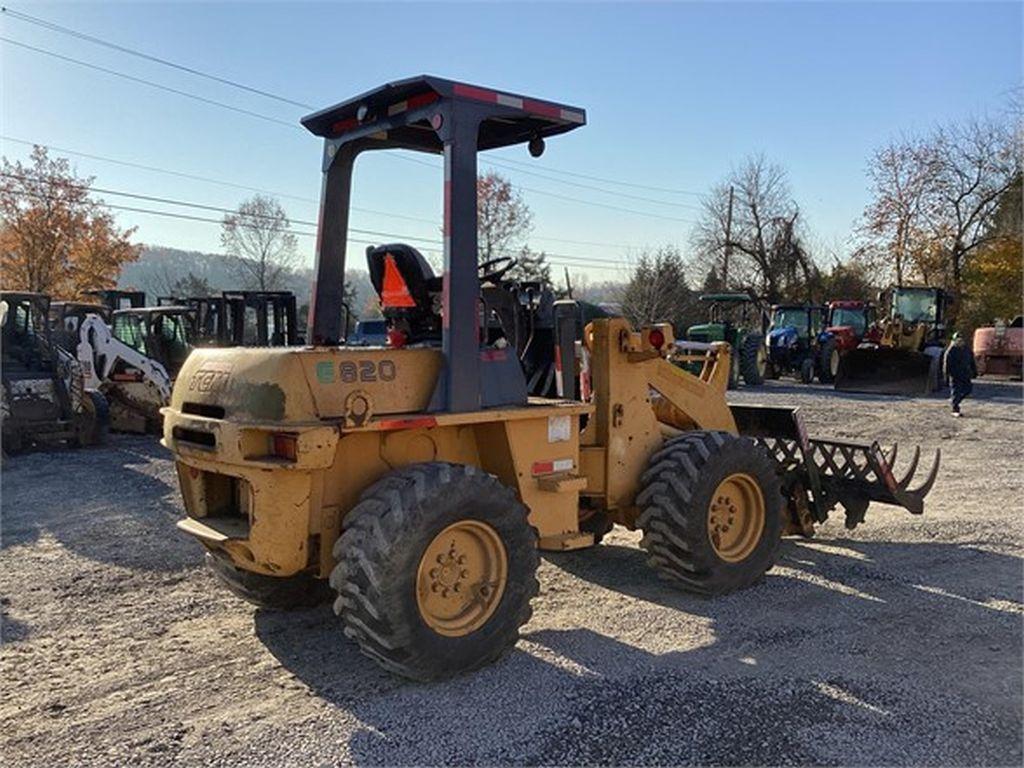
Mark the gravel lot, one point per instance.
(897, 643)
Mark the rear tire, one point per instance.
(274, 592)
(828, 362)
(753, 360)
(682, 494)
(93, 426)
(400, 613)
(807, 371)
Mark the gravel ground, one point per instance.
(898, 643)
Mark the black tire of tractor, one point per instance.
(378, 555)
(753, 373)
(807, 371)
(94, 427)
(13, 443)
(277, 593)
(734, 369)
(676, 491)
(825, 373)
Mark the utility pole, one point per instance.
(568, 283)
(728, 242)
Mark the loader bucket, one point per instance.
(887, 371)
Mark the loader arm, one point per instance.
(105, 360)
(639, 396)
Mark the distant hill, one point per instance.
(159, 268)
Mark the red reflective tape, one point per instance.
(421, 99)
(343, 125)
(493, 354)
(542, 108)
(416, 423)
(472, 92)
(550, 466)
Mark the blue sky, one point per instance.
(676, 94)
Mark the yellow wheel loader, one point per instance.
(414, 482)
(905, 357)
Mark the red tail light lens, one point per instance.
(656, 338)
(284, 446)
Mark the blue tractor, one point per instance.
(798, 344)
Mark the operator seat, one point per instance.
(409, 291)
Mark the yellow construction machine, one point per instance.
(414, 482)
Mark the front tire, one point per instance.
(436, 569)
(712, 512)
(753, 360)
(807, 371)
(828, 362)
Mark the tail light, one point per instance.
(656, 337)
(284, 446)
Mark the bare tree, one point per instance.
(768, 250)
(903, 175)
(657, 291)
(258, 240)
(977, 164)
(503, 218)
(934, 199)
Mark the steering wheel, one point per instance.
(491, 272)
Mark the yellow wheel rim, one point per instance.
(461, 578)
(736, 517)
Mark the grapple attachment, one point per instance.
(818, 474)
(887, 370)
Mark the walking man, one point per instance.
(958, 370)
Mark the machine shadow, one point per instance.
(115, 492)
(832, 617)
(902, 571)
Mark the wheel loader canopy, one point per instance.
(427, 114)
(403, 109)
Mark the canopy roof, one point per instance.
(401, 109)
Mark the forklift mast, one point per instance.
(426, 114)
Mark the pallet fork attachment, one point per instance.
(832, 472)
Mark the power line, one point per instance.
(497, 164)
(562, 197)
(268, 118)
(554, 258)
(52, 26)
(148, 57)
(233, 185)
(151, 84)
(613, 181)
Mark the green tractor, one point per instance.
(737, 318)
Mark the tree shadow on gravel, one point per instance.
(115, 504)
(848, 653)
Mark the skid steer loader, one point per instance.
(135, 385)
(43, 400)
(415, 482)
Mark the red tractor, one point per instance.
(851, 324)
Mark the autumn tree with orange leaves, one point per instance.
(54, 237)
